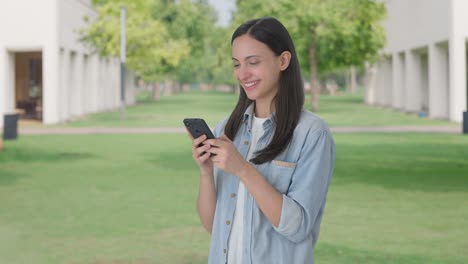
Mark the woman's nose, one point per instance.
(243, 73)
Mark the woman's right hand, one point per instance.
(201, 155)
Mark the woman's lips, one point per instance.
(250, 85)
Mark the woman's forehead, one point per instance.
(246, 47)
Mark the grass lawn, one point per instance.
(394, 198)
(344, 110)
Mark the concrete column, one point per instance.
(102, 87)
(115, 83)
(398, 80)
(3, 82)
(380, 83)
(50, 69)
(388, 82)
(424, 81)
(101, 91)
(7, 83)
(72, 85)
(457, 77)
(370, 84)
(94, 81)
(108, 84)
(85, 85)
(51, 81)
(457, 60)
(64, 106)
(129, 88)
(105, 86)
(413, 86)
(438, 82)
(78, 85)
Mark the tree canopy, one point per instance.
(179, 39)
(329, 34)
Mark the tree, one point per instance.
(150, 49)
(329, 34)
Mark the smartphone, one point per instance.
(198, 127)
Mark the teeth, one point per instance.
(250, 84)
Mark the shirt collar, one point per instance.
(249, 115)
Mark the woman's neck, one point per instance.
(263, 109)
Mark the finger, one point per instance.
(202, 149)
(215, 150)
(198, 141)
(214, 142)
(204, 157)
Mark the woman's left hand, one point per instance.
(227, 157)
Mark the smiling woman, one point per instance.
(262, 195)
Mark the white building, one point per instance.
(424, 66)
(45, 72)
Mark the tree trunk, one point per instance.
(315, 88)
(348, 82)
(353, 80)
(156, 91)
(168, 87)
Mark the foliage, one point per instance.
(345, 32)
(150, 49)
(329, 34)
(167, 39)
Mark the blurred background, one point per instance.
(95, 165)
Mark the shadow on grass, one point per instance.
(16, 156)
(8, 176)
(420, 166)
(329, 253)
(27, 155)
(171, 160)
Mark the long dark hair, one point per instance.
(289, 99)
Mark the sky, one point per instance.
(224, 8)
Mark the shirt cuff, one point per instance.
(291, 217)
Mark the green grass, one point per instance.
(168, 112)
(349, 110)
(343, 110)
(394, 198)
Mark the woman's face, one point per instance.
(257, 68)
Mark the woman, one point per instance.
(263, 192)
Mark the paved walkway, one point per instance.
(122, 130)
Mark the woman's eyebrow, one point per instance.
(248, 57)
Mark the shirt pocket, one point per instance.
(281, 175)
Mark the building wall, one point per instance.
(19, 35)
(415, 23)
(76, 81)
(427, 43)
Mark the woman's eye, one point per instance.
(236, 65)
(254, 62)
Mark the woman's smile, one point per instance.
(249, 86)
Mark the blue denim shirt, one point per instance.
(301, 173)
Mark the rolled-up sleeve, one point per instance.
(303, 203)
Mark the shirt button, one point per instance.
(228, 222)
(224, 251)
(246, 142)
(233, 195)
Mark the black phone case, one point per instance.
(198, 127)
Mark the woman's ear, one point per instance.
(285, 58)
